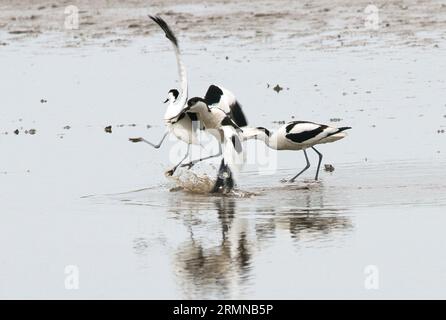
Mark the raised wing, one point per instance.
(181, 101)
(309, 132)
(225, 100)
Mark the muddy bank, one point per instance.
(316, 25)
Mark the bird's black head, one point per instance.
(193, 101)
(172, 95)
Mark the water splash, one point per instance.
(196, 183)
(192, 182)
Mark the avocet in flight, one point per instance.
(297, 135)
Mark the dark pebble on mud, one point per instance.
(67, 128)
(22, 32)
(328, 167)
(32, 131)
(277, 88)
(16, 131)
(108, 129)
(335, 119)
(43, 101)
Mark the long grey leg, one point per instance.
(156, 146)
(306, 167)
(172, 171)
(319, 163)
(194, 162)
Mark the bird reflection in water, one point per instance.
(217, 266)
(226, 235)
(216, 260)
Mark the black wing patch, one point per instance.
(305, 135)
(192, 116)
(213, 95)
(163, 25)
(292, 124)
(238, 115)
(237, 144)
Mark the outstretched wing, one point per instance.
(181, 101)
(309, 132)
(225, 100)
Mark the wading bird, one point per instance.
(297, 135)
(181, 123)
(219, 124)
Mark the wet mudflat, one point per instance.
(75, 191)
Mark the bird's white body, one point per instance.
(211, 118)
(184, 129)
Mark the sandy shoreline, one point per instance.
(316, 25)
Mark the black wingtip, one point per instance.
(237, 144)
(163, 25)
(344, 128)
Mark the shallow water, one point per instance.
(80, 196)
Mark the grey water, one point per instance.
(73, 194)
